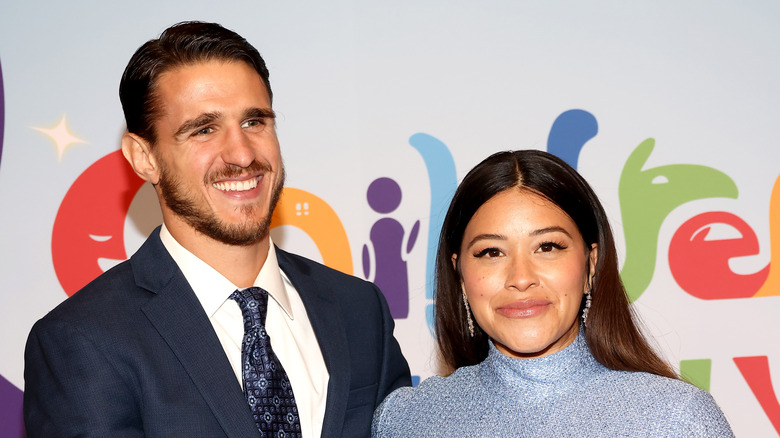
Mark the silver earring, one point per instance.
(468, 315)
(588, 299)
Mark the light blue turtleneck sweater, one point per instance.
(565, 394)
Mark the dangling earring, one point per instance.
(588, 299)
(468, 315)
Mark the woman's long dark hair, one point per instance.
(611, 331)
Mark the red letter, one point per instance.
(755, 370)
(701, 266)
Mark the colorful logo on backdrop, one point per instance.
(86, 232)
(384, 260)
(89, 228)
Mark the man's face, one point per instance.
(220, 168)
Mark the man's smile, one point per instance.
(237, 186)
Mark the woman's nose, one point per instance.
(521, 274)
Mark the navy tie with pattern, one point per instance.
(266, 386)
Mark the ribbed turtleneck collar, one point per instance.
(543, 376)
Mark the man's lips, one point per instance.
(524, 308)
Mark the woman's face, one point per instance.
(524, 268)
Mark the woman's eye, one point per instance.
(549, 247)
(489, 252)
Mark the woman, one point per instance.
(532, 317)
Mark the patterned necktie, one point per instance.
(266, 386)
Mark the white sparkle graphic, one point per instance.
(61, 136)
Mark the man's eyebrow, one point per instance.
(203, 119)
(206, 118)
(263, 113)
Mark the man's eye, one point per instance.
(253, 123)
(203, 131)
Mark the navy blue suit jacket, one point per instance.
(134, 354)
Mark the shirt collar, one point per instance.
(213, 289)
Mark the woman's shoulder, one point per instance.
(632, 385)
(433, 398)
(675, 404)
(432, 388)
(636, 383)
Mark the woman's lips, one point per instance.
(524, 308)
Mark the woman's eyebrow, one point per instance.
(552, 229)
(485, 236)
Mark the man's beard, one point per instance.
(205, 221)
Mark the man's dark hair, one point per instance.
(182, 44)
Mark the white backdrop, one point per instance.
(355, 81)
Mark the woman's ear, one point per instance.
(138, 153)
(593, 257)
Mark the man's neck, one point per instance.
(238, 263)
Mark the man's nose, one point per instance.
(237, 149)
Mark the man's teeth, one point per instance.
(236, 186)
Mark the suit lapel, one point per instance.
(323, 314)
(178, 316)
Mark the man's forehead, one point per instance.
(201, 65)
(208, 79)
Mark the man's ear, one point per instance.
(138, 153)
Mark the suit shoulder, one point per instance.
(114, 288)
(297, 263)
(354, 295)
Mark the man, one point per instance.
(158, 346)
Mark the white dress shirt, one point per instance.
(287, 324)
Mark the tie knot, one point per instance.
(253, 302)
